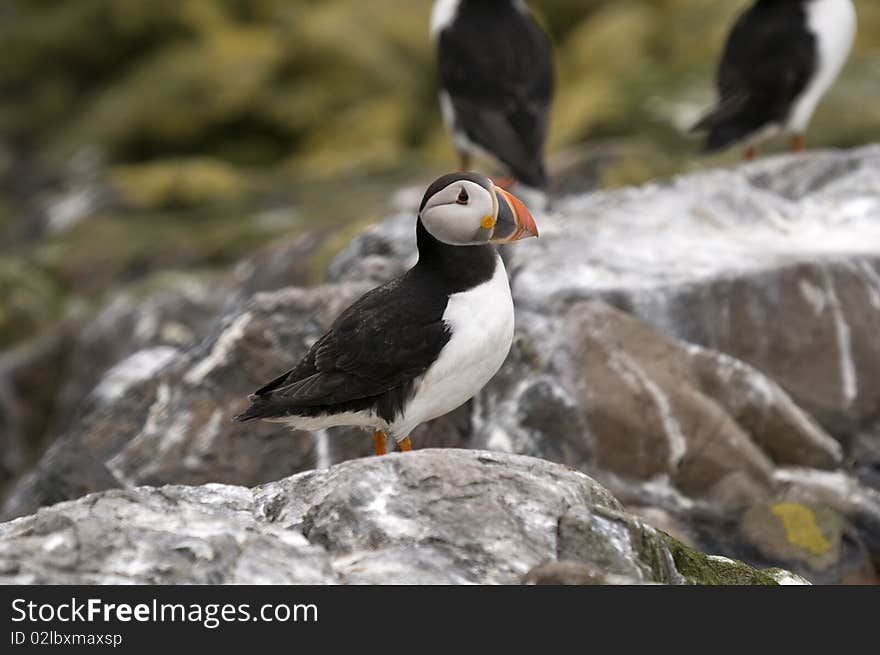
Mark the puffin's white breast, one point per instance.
(442, 15)
(460, 139)
(833, 22)
(364, 419)
(481, 324)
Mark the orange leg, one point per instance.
(798, 143)
(751, 153)
(404, 445)
(379, 442)
(504, 181)
(464, 162)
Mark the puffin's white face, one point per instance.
(466, 209)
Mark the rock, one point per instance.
(200, 535)
(704, 433)
(283, 263)
(748, 264)
(147, 405)
(126, 342)
(431, 517)
(843, 493)
(31, 377)
(169, 310)
(380, 252)
(744, 350)
(45, 382)
(707, 348)
(813, 540)
(565, 573)
(175, 422)
(866, 453)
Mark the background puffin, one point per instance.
(423, 344)
(495, 67)
(780, 59)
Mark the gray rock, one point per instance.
(157, 418)
(88, 380)
(775, 264)
(690, 343)
(757, 297)
(815, 537)
(44, 384)
(31, 378)
(433, 517)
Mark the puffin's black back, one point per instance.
(497, 66)
(768, 62)
(376, 349)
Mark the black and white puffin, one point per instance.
(780, 59)
(423, 344)
(495, 68)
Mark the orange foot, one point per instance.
(404, 445)
(798, 143)
(750, 153)
(379, 442)
(504, 181)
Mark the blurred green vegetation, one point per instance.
(204, 117)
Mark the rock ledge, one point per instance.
(433, 516)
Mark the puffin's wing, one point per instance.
(768, 61)
(381, 342)
(499, 78)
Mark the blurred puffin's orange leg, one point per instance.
(504, 181)
(751, 153)
(404, 445)
(464, 162)
(798, 143)
(379, 442)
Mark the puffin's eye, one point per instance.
(462, 197)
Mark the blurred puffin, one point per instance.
(495, 66)
(780, 59)
(423, 344)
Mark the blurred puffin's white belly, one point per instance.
(460, 139)
(833, 22)
(481, 325)
(442, 15)
(364, 419)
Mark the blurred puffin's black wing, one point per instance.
(368, 359)
(768, 62)
(496, 65)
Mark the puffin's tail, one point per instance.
(255, 411)
(725, 134)
(725, 124)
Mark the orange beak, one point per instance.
(514, 220)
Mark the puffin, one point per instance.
(422, 344)
(495, 69)
(781, 57)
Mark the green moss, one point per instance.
(699, 568)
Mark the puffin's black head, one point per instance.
(467, 209)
